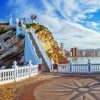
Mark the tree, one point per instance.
(33, 17)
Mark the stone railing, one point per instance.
(77, 68)
(18, 73)
(47, 59)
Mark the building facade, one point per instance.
(74, 52)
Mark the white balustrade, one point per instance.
(62, 68)
(95, 67)
(34, 70)
(78, 68)
(17, 73)
(6, 75)
(47, 59)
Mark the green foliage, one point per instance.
(39, 29)
(28, 25)
(34, 24)
(49, 54)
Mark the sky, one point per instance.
(76, 23)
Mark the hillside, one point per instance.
(11, 47)
(48, 42)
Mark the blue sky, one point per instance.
(73, 22)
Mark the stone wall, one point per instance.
(11, 47)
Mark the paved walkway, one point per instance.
(53, 87)
(63, 87)
(8, 91)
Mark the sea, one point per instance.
(84, 60)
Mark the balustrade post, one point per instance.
(15, 67)
(30, 66)
(52, 62)
(89, 65)
(40, 66)
(70, 66)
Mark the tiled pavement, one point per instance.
(70, 88)
(65, 87)
(7, 91)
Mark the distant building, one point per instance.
(74, 52)
(62, 46)
(67, 53)
(89, 52)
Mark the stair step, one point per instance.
(38, 52)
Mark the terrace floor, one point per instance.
(53, 86)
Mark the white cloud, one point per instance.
(88, 38)
(49, 8)
(72, 34)
(94, 24)
(74, 10)
(65, 29)
(70, 10)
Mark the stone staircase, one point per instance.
(50, 45)
(45, 65)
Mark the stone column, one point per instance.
(15, 67)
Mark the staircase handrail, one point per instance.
(47, 59)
